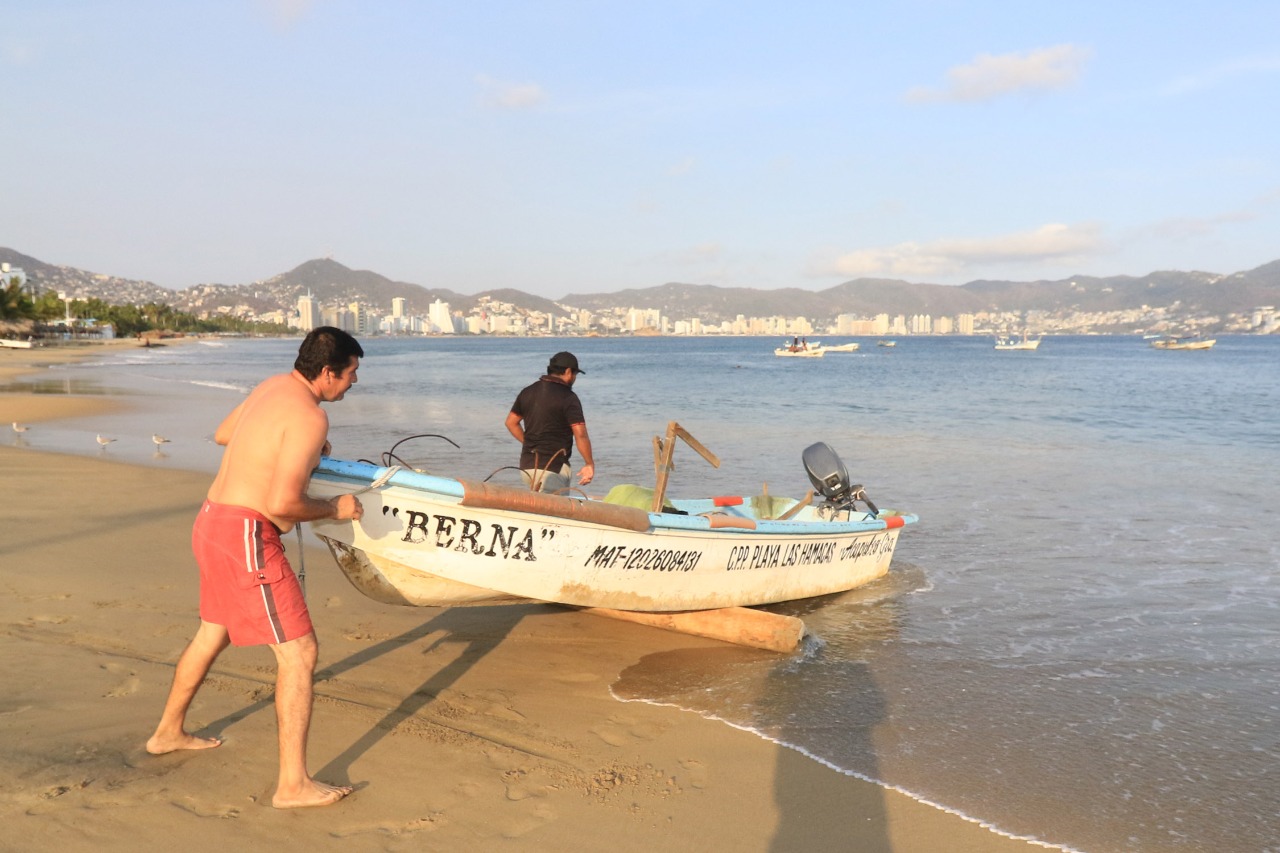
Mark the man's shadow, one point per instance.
(458, 625)
(832, 701)
(823, 699)
(851, 717)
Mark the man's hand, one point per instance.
(327, 449)
(347, 506)
(585, 473)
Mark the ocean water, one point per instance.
(1080, 642)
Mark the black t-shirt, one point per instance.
(549, 409)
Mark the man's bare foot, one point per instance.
(314, 794)
(159, 744)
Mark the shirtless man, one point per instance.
(249, 595)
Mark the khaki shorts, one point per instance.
(547, 481)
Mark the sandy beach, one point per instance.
(461, 729)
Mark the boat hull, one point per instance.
(420, 547)
(1014, 345)
(1176, 344)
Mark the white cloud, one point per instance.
(13, 52)
(988, 76)
(690, 256)
(1216, 76)
(286, 13)
(511, 96)
(683, 167)
(949, 257)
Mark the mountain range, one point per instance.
(1192, 293)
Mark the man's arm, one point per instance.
(515, 426)
(228, 426)
(588, 469)
(299, 454)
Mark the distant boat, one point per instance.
(1005, 342)
(796, 348)
(852, 347)
(886, 343)
(1172, 342)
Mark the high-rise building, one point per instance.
(439, 317)
(308, 316)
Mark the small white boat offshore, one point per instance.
(437, 541)
(851, 347)
(799, 352)
(1183, 343)
(886, 343)
(1007, 342)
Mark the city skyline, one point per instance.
(563, 148)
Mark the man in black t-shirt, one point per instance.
(547, 419)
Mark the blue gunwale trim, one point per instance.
(362, 474)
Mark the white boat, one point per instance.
(1006, 342)
(798, 352)
(1183, 343)
(886, 343)
(437, 541)
(851, 347)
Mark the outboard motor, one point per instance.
(830, 479)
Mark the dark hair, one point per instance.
(325, 346)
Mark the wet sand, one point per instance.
(461, 729)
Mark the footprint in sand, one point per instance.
(619, 730)
(130, 684)
(697, 772)
(469, 789)
(610, 735)
(205, 810)
(540, 815)
(521, 784)
(56, 791)
(50, 620)
(128, 688)
(575, 677)
(423, 824)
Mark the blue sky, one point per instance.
(568, 147)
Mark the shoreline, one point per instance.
(462, 728)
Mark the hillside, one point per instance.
(1202, 293)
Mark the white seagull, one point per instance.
(104, 441)
(158, 440)
(20, 428)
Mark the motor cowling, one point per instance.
(830, 478)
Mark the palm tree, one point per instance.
(15, 302)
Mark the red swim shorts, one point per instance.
(246, 583)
